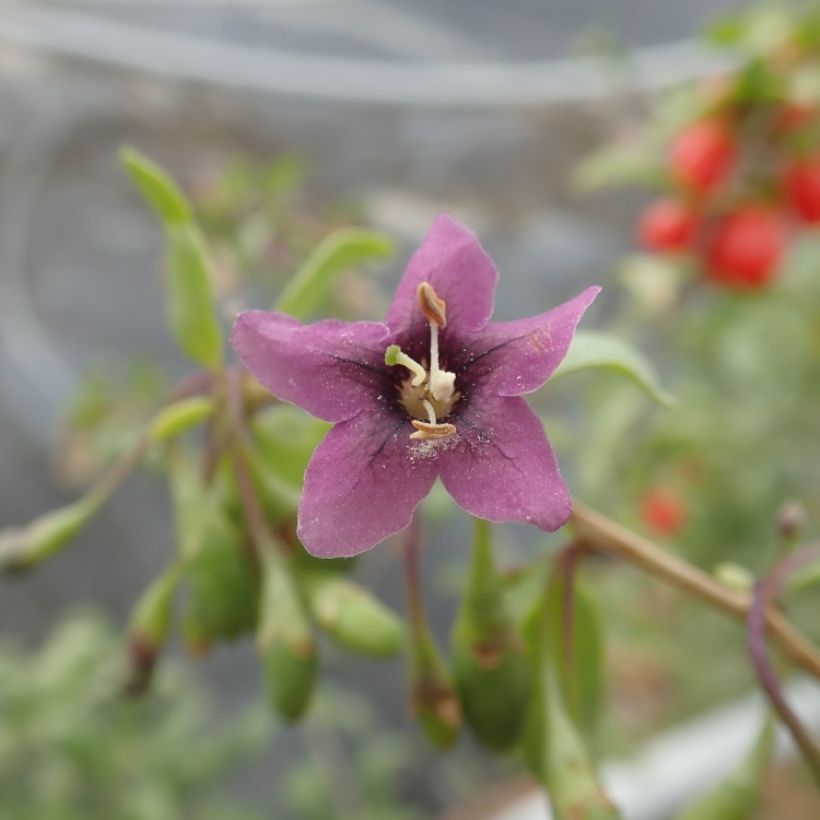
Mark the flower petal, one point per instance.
(362, 484)
(512, 358)
(451, 259)
(503, 467)
(332, 369)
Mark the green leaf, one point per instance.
(160, 191)
(191, 309)
(592, 348)
(340, 251)
(553, 747)
(737, 796)
(580, 666)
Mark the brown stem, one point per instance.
(598, 532)
(251, 508)
(412, 581)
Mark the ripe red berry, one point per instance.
(663, 511)
(802, 184)
(746, 247)
(703, 154)
(667, 225)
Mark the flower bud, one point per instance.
(148, 628)
(285, 641)
(354, 618)
(23, 547)
(791, 520)
(223, 589)
(734, 576)
(492, 671)
(433, 698)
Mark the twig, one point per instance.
(598, 532)
(765, 594)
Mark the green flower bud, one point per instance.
(148, 628)
(23, 547)
(285, 641)
(434, 699)
(224, 589)
(492, 671)
(354, 618)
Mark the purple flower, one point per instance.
(434, 391)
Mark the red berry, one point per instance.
(663, 511)
(746, 247)
(802, 183)
(703, 154)
(667, 225)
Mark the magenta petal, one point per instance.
(503, 467)
(518, 357)
(333, 369)
(362, 484)
(452, 260)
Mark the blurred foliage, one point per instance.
(72, 747)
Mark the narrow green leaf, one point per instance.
(180, 416)
(552, 746)
(737, 796)
(191, 309)
(592, 348)
(339, 252)
(581, 665)
(160, 191)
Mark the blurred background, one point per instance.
(284, 120)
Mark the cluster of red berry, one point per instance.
(741, 191)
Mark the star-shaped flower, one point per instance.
(433, 392)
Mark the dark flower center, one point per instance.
(429, 393)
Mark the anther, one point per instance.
(431, 432)
(432, 306)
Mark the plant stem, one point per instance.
(598, 532)
(412, 581)
(765, 595)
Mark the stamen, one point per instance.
(431, 432)
(432, 306)
(431, 412)
(442, 382)
(394, 356)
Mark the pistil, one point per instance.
(393, 356)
